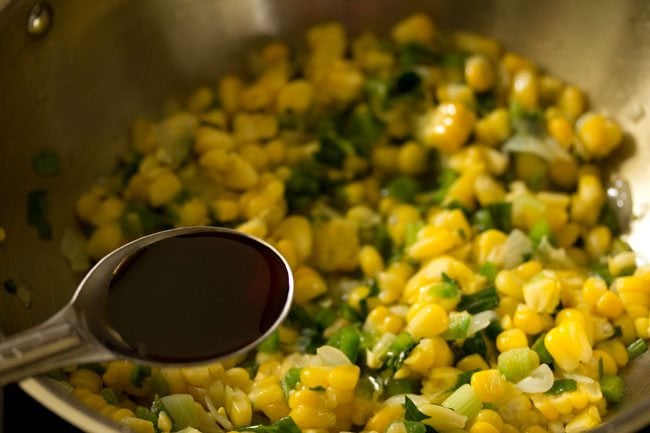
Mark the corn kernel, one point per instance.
(308, 284)
(598, 135)
(511, 339)
(610, 305)
(417, 28)
(344, 377)
(412, 159)
(429, 321)
(446, 127)
(489, 385)
(479, 73)
(525, 89)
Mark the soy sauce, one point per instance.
(196, 297)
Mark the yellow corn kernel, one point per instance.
(230, 89)
(511, 339)
(585, 420)
(598, 241)
(494, 128)
(491, 417)
(417, 28)
(609, 363)
(138, 425)
(586, 203)
(239, 408)
(399, 217)
(208, 138)
(489, 385)
(86, 379)
(163, 189)
(344, 377)
(391, 285)
(642, 327)
(432, 241)
(525, 89)
(370, 261)
(412, 159)
(240, 174)
(561, 130)
(592, 290)
(315, 376)
(422, 357)
(216, 118)
(486, 243)
(472, 362)
(568, 345)
(488, 190)
(295, 97)
(104, 240)
(616, 350)
(429, 321)
(507, 283)
(193, 213)
(598, 135)
(514, 63)
(610, 305)
(164, 422)
(620, 262)
(528, 320)
(312, 417)
(308, 284)
(476, 44)
(256, 227)
(479, 73)
(225, 210)
(385, 158)
(483, 427)
(109, 210)
(543, 404)
(384, 417)
(267, 395)
(446, 127)
(122, 413)
(542, 293)
(572, 102)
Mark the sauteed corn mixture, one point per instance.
(458, 267)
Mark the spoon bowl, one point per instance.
(164, 299)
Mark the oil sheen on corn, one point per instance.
(195, 297)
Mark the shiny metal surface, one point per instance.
(103, 63)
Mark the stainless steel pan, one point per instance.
(74, 81)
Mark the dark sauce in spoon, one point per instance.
(196, 297)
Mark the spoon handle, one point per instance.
(43, 348)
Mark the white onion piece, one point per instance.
(547, 148)
(579, 378)
(516, 246)
(332, 356)
(481, 321)
(539, 380)
(398, 399)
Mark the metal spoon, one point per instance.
(82, 331)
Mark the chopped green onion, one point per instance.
(401, 386)
(111, 396)
(458, 325)
(302, 187)
(413, 54)
(94, 366)
(10, 286)
(540, 230)
(411, 232)
(475, 345)
(332, 151)
(374, 288)
(290, 380)
(283, 425)
(543, 353)
(310, 339)
(368, 387)
(493, 330)
(637, 348)
(464, 401)
(464, 378)
(445, 290)
(515, 364)
(146, 414)
(613, 388)
(407, 82)
(57, 375)
(182, 410)
(363, 129)
(411, 411)
(325, 317)
(399, 350)
(270, 344)
(483, 220)
(601, 270)
(489, 271)
(46, 163)
(140, 372)
(159, 385)
(501, 213)
(562, 385)
(403, 188)
(486, 299)
(348, 312)
(348, 341)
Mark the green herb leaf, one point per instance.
(489, 271)
(401, 386)
(140, 372)
(348, 340)
(403, 188)
(111, 396)
(270, 344)
(475, 344)
(399, 350)
(539, 347)
(146, 414)
(283, 425)
(411, 412)
(46, 163)
(562, 385)
(290, 380)
(414, 427)
(486, 299)
(540, 230)
(464, 378)
(613, 388)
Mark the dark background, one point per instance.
(20, 413)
